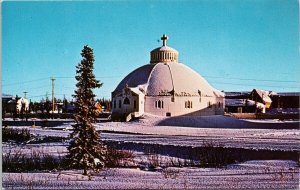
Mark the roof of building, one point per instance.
(239, 102)
(264, 95)
(166, 79)
(165, 48)
(7, 95)
(166, 76)
(243, 93)
(288, 93)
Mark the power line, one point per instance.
(96, 78)
(16, 83)
(99, 78)
(253, 85)
(263, 80)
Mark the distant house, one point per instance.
(237, 95)
(22, 103)
(98, 107)
(239, 106)
(243, 106)
(261, 96)
(6, 98)
(287, 102)
(8, 103)
(247, 102)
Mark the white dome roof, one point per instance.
(165, 48)
(168, 79)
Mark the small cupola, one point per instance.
(164, 54)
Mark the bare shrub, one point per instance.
(215, 155)
(118, 158)
(37, 160)
(17, 135)
(170, 173)
(154, 160)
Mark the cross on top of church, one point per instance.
(164, 38)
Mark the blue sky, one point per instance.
(237, 45)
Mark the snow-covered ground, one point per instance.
(185, 132)
(271, 174)
(273, 139)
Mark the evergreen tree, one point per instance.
(86, 149)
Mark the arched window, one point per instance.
(159, 104)
(120, 104)
(209, 104)
(188, 104)
(126, 101)
(115, 104)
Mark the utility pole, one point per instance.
(25, 94)
(53, 106)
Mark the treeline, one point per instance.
(43, 109)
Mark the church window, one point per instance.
(209, 104)
(126, 101)
(219, 104)
(159, 104)
(199, 92)
(188, 104)
(115, 104)
(134, 104)
(120, 104)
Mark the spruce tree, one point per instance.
(86, 149)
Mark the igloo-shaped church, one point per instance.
(165, 87)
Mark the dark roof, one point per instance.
(245, 93)
(7, 95)
(239, 102)
(288, 94)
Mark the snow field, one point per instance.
(249, 175)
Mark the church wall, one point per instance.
(119, 106)
(181, 106)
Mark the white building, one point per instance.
(22, 102)
(165, 87)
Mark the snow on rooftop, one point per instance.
(164, 48)
(163, 78)
(237, 93)
(264, 95)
